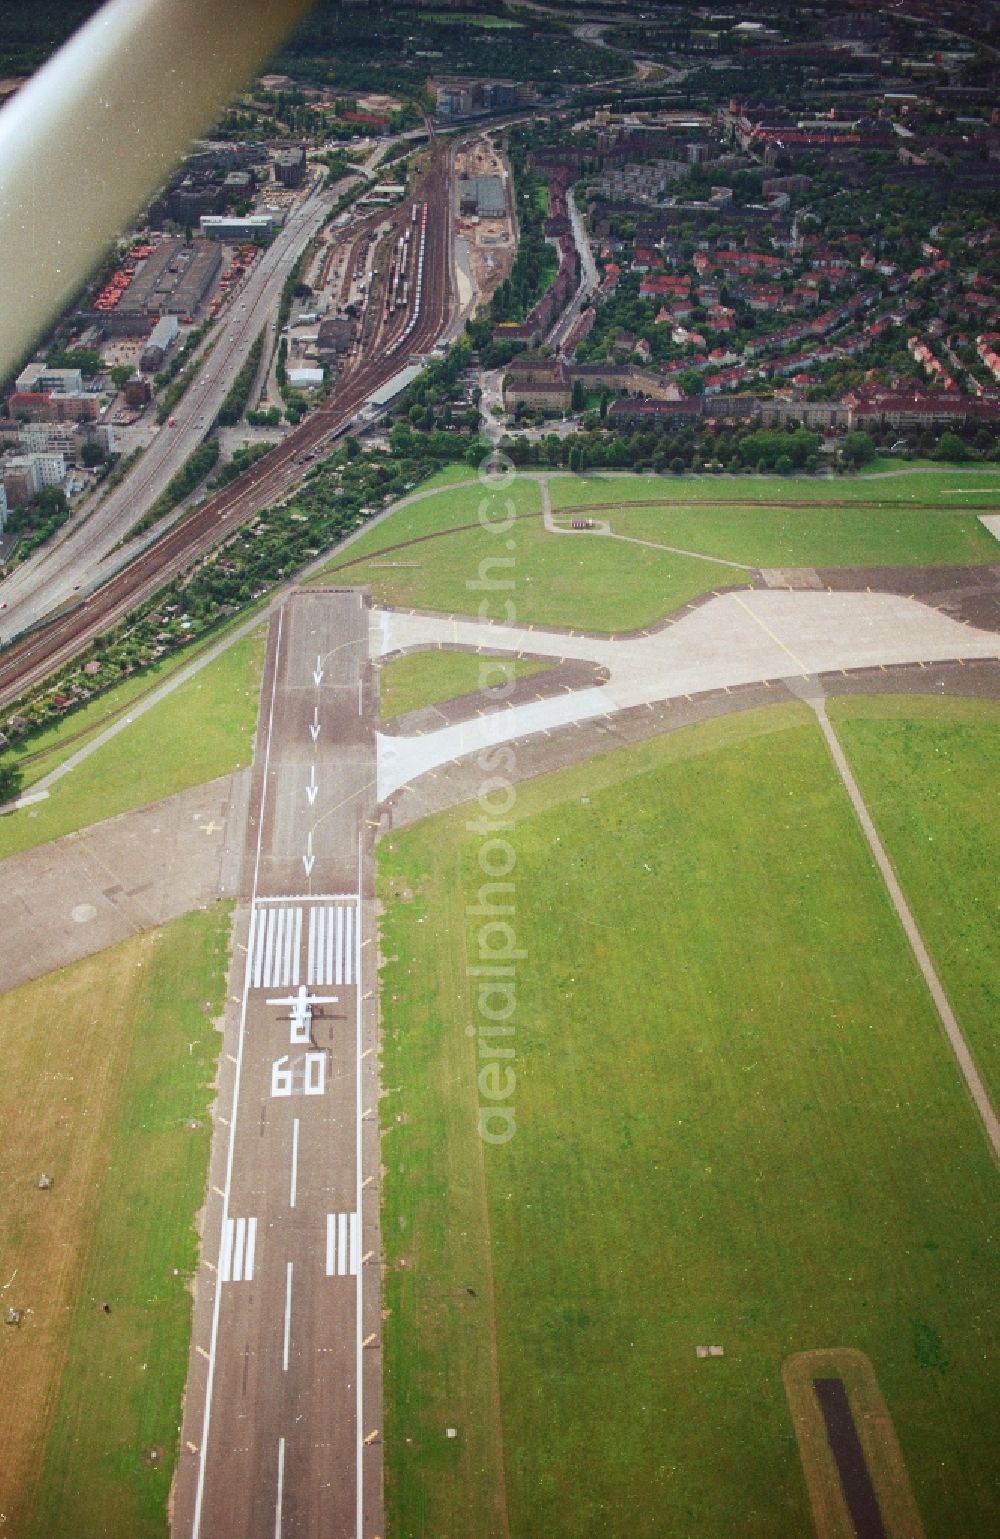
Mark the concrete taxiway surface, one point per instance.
(282, 1422)
(733, 639)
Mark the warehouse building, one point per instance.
(233, 227)
(175, 279)
(160, 339)
(485, 196)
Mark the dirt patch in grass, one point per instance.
(823, 1437)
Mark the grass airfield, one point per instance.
(108, 1073)
(738, 1121)
(426, 555)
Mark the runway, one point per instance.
(282, 1427)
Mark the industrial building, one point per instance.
(160, 339)
(290, 167)
(174, 279)
(38, 376)
(485, 196)
(304, 377)
(233, 227)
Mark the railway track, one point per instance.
(29, 659)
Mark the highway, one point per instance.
(33, 656)
(73, 561)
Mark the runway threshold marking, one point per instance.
(342, 1244)
(239, 1246)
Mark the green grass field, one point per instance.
(929, 769)
(607, 585)
(106, 1064)
(599, 583)
(44, 751)
(914, 484)
(203, 730)
(849, 536)
(417, 679)
(738, 1122)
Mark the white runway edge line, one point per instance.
(342, 1243)
(237, 1074)
(359, 1478)
(239, 1243)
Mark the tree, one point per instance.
(92, 454)
(10, 780)
(951, 447)
(579, 397)
(120, 375)
(858, 449)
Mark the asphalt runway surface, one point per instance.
(283, 1415)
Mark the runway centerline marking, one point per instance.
(294, 1187)
(281, 1488)
(288, 1318)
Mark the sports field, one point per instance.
(429, 555)
(108, 1068)
(737, 1123)
(203, 730)
(417, 679)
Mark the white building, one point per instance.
(226, 227)
(48, 437)
(304, 377)
(37, 376)
(51, 468)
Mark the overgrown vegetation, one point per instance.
(191, 474)
(236, 400)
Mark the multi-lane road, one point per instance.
(82, 555)
(282, 1425)
(34, 655)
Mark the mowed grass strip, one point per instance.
(929, 770)
(419, 679)
(532, 576)
(737, 1123)
(852, 535)
(98, 1083)
(110, 1454)
(448, 508)
(203, 730)
(919, 485)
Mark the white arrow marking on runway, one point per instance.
(314, 725)
(309, 859)
(312, 789)
(318, 670)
